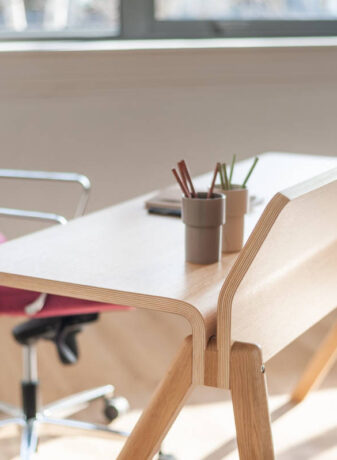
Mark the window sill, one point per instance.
(160, 44)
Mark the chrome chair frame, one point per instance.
(53, 413)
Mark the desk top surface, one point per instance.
(124, 255)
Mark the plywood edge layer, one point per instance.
(136, 300)
(232, 282)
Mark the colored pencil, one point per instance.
(183, 174)
(189, 179)
(250, 172)
(224, 168)
(231, 170)
(210, 191)
(181, 184)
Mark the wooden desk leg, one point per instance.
(250, 403)
(318, 367)
(156, 420)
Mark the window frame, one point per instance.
(137, 21)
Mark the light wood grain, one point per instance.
(318, 366)
(165, 405)
(124, 355)
(167, 402)
(283, 281)
(123, 255)
(250, 403)
(211, 363)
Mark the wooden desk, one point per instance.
(123, 255)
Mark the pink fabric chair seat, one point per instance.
(13, 302)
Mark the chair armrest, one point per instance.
(33, 215)
(37, 305)
(53, 176)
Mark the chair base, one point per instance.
(54, 413)
(30, 416)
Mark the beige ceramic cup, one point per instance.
(203, 219)
(236, 208)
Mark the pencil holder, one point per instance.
(203, 219)
(236, 208)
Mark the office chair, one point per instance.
(57, 319)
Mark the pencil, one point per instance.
(188, 176)
(210, 191)
(221, 177)
(181, 184)
(250, 172)
(182, 173)
(224, 167)
(231, 170)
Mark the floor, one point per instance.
(205, 428)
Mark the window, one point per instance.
(166, 18)
(59, 18)
(245, 9)
(248, 18)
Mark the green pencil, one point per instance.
(250, 172)
(231, 170)
(221, 177)
(225, 175)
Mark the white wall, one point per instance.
(124, 117)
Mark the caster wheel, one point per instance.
(114, 407)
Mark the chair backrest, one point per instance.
(285, 278)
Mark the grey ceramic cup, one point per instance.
(236, 208)
(203, 218)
